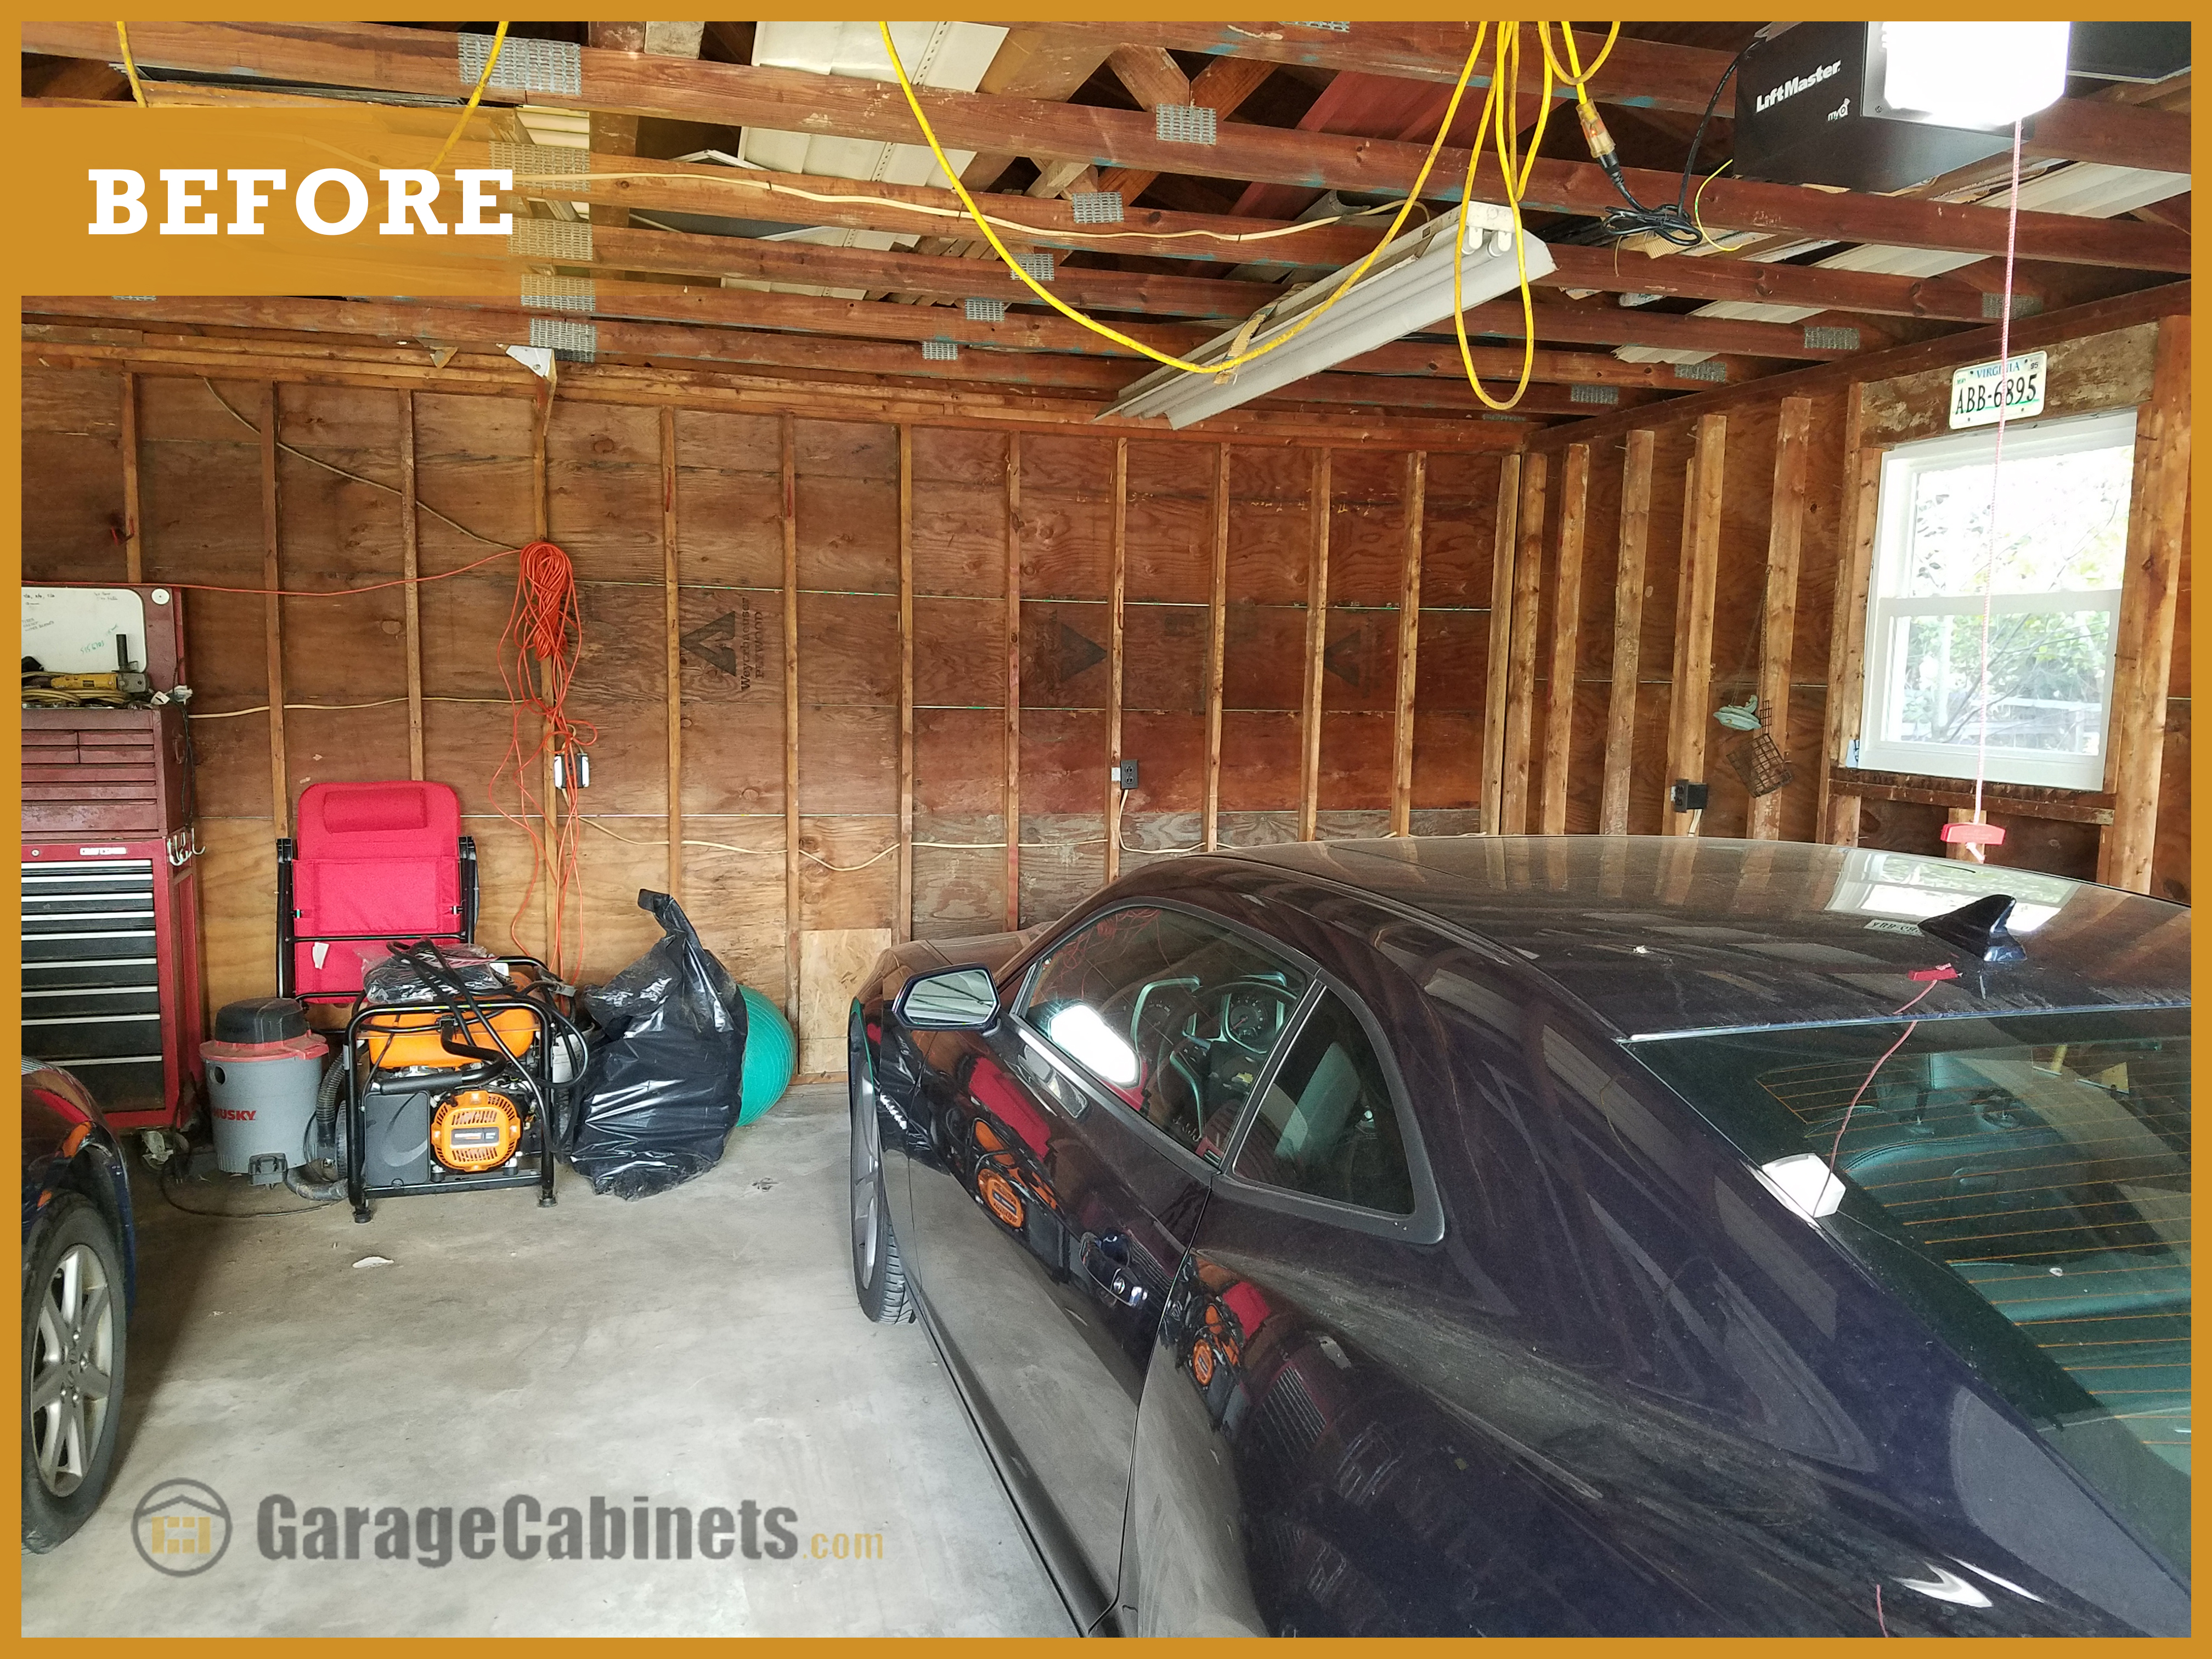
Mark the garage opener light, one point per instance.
(1408, 289)
(1974, 74)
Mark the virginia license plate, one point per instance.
(1982, 391)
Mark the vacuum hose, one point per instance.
(325, 1145)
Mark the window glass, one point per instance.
(2020, 570)
(2068, 533)
(1327, 1125)
(1174, 1015)
(2024, 1185)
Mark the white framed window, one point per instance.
(2053, 603)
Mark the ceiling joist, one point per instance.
(1637, 75)
(379, 57)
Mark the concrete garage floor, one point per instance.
(699, 1348)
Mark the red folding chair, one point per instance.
(372, 863)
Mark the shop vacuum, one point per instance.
(457, 1070)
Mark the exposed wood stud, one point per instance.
(671, 599)
(902, 920)
(1627, 630)
(1216, 641)
(1409, 643)
(272, 621)
(1013, 680)
(1566, 637)
(1521, 655)
(1502, 546)
(1838, 815)
(1117, 595)
(134, 552)
(793, 916)
(1697, 590)
(1317, 514)
(410, 569)
(1778, 624)
(2158, 517)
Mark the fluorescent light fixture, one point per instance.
(1408, 289)
(1974, 74)
(1802, 1182)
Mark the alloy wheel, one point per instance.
(72, 1358)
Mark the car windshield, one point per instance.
(2023, 1184)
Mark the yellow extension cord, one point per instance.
(1499, 116)
(982, 223)
(1502, 113)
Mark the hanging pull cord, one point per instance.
(1974, 845)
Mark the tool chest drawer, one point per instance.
(110, 986)
(103, 771)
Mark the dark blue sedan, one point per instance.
(79, 1281)
(1588, 1236)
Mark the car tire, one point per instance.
(74, 1342)
(878, 1275)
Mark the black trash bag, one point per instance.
(663, 1084)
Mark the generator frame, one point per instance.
(535, 1062)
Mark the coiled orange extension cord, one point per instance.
(538, 656)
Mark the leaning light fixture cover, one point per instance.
(1974, 74)
(1407, 289)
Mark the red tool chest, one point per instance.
(111, 906)
(112, 972)
(104, 772)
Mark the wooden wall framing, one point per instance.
(1752, 580)
(858, 680)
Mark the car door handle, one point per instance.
(1106, 1260)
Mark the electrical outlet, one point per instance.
(1688, 797)
(1123, 775)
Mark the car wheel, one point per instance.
(73, 1352)
(878, 1277)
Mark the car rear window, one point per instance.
(2041, 1165)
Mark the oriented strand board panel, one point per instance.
(959, 872)
(472, 468)
(733, 893)
(602, 489)
(338, 525)
(729, 496)
(958, 530)
(832, 962)
(1271, 529)
(1458, 525)
(73, 509)
(238, 907)
(2099, 371)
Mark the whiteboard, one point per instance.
(71, 630)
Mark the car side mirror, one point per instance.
(950, 1000)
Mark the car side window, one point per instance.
(1327, 1126)
(1174, 1016)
